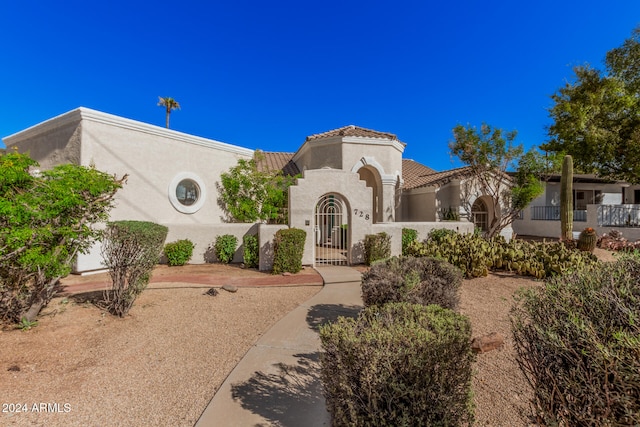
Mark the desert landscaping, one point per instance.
(163, 363)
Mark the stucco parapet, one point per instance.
(44, 127)
(374, 141)
(90, 115)
(99, 117)
(334, 140)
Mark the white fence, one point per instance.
(544, 221)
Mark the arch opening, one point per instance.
(331, 230)
(480, 215)
(373, 180)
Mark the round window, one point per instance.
(187, 192)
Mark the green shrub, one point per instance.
(225, 248)
(251, 252)
(130, 250)
(398, 365)
(376, 247)
(178, 252)
(578, 343)
(416, 280)
(45, 220)
(288, 250)
(408, 235)
(344, 236)
(476, 255)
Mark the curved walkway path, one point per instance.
(278, 381)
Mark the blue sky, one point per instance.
(267, 74)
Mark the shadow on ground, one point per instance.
(292, 396)
(321, 314)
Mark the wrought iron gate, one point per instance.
(331, 231)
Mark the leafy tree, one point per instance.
(170, 104)
(248, 194)
(45, 220)
(489, 153)
(597, 116)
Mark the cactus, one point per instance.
(476, 256)
(587, 240)
(566, 199)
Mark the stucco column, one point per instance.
(389, 198)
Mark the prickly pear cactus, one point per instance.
(587, 240)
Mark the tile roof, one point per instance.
(352, 130)
(278, 161)
(412, 171)
(416, 175)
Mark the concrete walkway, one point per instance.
(277, 383)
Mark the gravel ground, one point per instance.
(162, 364)
(501, 392)
(159, 366)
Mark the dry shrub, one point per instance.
(398, 365)
(130, 249)
(416, 280)
(578, 343)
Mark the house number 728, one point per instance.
(361, 214)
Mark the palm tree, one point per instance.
(170, 104)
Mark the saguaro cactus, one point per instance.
(566, 199)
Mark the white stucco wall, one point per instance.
(448, 197)
(304, 196)
(423, 228)
(53, 142)
(318, 154)
(387, 155)
(418, 205)
(349, 153)
(151, 156)
(612, 193)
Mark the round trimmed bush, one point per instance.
(178, 252)
(288, 249)
(416, 280)
(398, 365)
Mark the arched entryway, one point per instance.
(372, 178)
(480, 215)
(331, 230)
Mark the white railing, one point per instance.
(552, 213)
(539, 221)
(619, 215)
